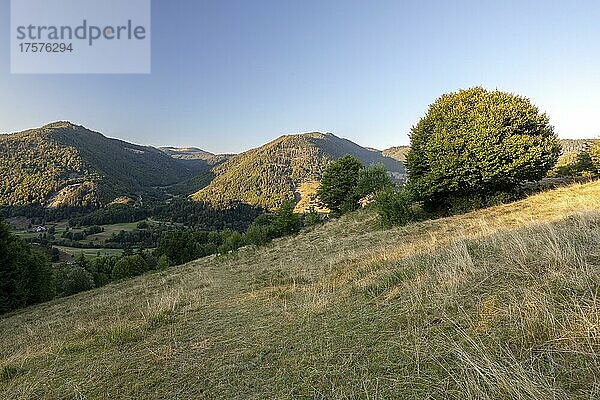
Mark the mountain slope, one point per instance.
(194, 153)
(397, 153)
(65, 164)
(496, 304)
(567, 145)
(273, 173)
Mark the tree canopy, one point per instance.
(479, 142)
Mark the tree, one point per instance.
(162, 263)
(232, 240)
(372, 179)
(128, 267)
(73, 279)
(574, 164)
(25, 275)
(594, 153)
(286, 221)
(179, 247)
(267, 227)
(478, 142)
(338, 185)
(261, 230)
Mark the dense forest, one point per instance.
(62, 164)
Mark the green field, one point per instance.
(75, 252)
(109, 230)
(98, 239)
(501, 303)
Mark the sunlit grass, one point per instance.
(496, 304)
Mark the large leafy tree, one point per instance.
(338, 185)
(479, 142)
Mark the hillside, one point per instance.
(568, 146)
(280, 170)
(574, 145)
(496, 304)
(194, 153)
(66, 164)
(397, 153)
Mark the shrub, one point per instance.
(143, 225)
(162, 263)
(338, 185)
(267, 227)
(73, 279)
(312, 217)
(464, 204)
(129, 266)
(101, 269)
(397, 208)
(261, 231)
(476, 142)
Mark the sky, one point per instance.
(231, 75)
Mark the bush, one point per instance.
(338, 185)
(128, 267)
(476, 142)
(312, 217)
(464, 204)
(286, 221)
(232, 241)
(143, 225)
(397, 208)
(101, 269)
(162, 263)
(73, 279)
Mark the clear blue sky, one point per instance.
(230, 75)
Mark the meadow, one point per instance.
(500, 303)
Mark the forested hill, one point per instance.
(66, 164)
(284, 169)
(193, 153)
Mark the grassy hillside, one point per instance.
(497, 304)
(271, 174)
(66, 164)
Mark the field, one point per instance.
(98, 239)
(496, 304)
(75, 252)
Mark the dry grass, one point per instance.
(496, 304)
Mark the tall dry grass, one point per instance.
(496, 304)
